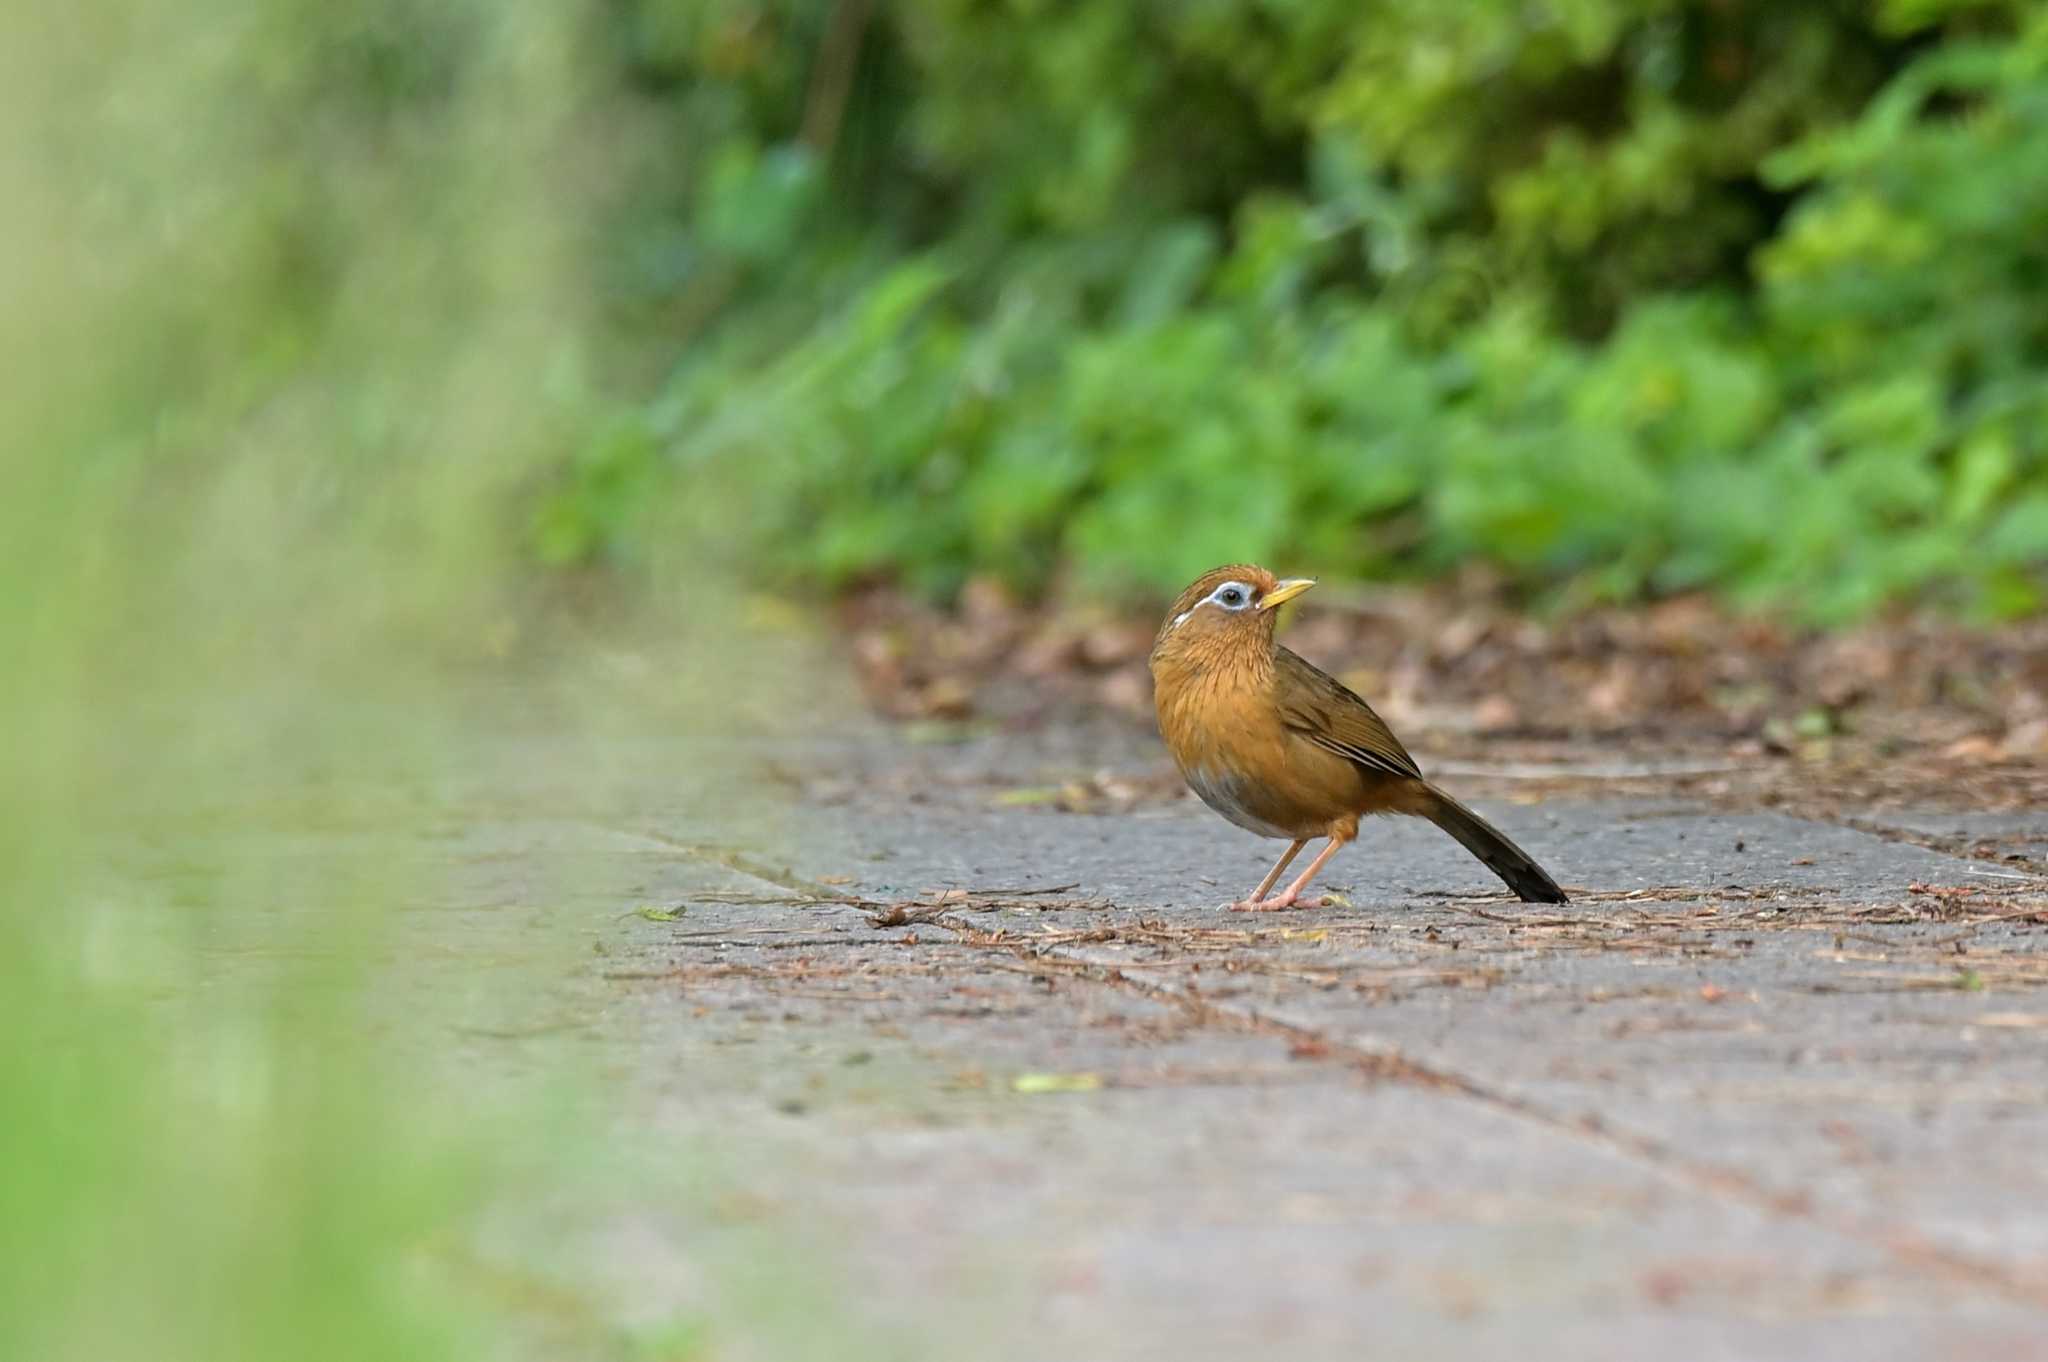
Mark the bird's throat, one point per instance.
(1199, 672)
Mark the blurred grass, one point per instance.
(291, 291)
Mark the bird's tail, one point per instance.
(1494, 850)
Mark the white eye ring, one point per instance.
(1221, 598)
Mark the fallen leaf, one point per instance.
(1038, 1083)
(1034, 794)
(1974, 748)
(1307, 934)
(1815, 722)
(653, 914)
(1494, 713)
(2027, 740)
(947, 697)
(985, 600)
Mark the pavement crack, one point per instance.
(1309, 1043)
(1962, 848)
(1387, 1065)
(731, 859)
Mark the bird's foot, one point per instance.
(1278, 903)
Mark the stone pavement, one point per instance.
(1768, 1088)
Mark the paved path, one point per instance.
(998, 1082)
(1768, 1088)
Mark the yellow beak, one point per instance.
(1285, 592)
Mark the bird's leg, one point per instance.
(1293, 892)
(1279, 869)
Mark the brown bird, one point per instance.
(1283, 749)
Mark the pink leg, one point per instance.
(1279, 869)
(1287, 899)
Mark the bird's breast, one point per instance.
(1236, 753)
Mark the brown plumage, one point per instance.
(1286, 750)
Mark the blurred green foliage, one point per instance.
(243, 455)
(1619, 296)
(286, 282)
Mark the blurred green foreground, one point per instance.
(287, 291)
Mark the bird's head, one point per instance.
(1226, 606)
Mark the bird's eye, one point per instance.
(1231, 597)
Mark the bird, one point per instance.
(1283, 749)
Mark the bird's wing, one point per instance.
(1329, 714)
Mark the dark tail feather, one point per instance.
(1493, 849)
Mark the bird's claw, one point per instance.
(1273, 905)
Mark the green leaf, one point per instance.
(1055, 1082)
(2021, 534)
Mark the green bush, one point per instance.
(1620, 296)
